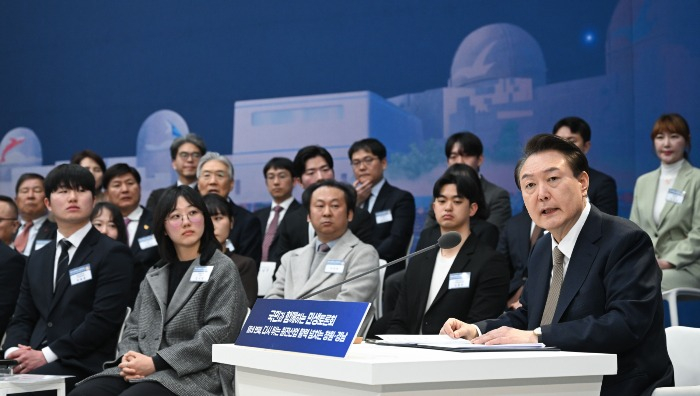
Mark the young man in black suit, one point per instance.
(593, 283)
(602, 189)
(36, 229)
(74, 292)
(393, 209)
(185, 153)
(279, 180)
(123, 189)
(469, 281)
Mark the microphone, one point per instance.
(446, 241)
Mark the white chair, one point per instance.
(121, 330)
(265, 274)
(683, 345)
(377, 303)
(678, 294)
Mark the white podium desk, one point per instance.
(383, 370)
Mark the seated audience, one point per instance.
(74, 291)
(166, 348)
(220, 212)
(468, 281)
(108, 220)
(666, 204)
(92, 161)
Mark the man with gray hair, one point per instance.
(185, 153)
(215, 176)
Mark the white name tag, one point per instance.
(383, 217)
(201, 273)
(675, 196)
(40, 243)
(335, 266)
(267, 269)
(229, 245)
(148, 241)
(80, 274)
(459, 280)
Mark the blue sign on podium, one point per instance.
(308, 326)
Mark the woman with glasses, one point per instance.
(189, 300)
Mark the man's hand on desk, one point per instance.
(458, 329)
(506, 335)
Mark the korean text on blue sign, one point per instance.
(309, 326)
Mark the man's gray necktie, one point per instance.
(554, 287)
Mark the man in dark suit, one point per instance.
(279, 180)
(515, 243)
(215, 176)
(35, 230)
(468, 281)
(9, 220)
(72, 299)
(393, 209)
(311, 164)
(466, 148)
(602, 189)
(185, 153)
(123, 189)
(593, 285)
(11, 270)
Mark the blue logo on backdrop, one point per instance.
(309, 326)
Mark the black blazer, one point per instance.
(294, 231)
(155, 196)
(514, 244)
(245, 234)
(392, 237)
(248, 270)
(610, 302)
(46, 232)
(145, 258)
(11, 269)
(498, 201)
(602, 191)
(483, 299)
(264, 214)
(80, 323)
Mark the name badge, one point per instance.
(148, 241)
(383, 217)
(459, 280)
(675, 196)
(80, 274)
(229, 245)
(201, 273)
(335, 266)
(40, 243)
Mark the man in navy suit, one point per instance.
(185, 153)
(74, 292)
(593, 285)
(602, 189)
(123, 189)
(393, 209)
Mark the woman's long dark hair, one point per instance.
(208, 244)
(117, 219)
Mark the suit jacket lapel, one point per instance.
(679, 184)
(302, 265)
(158, 281)
(339, 251)
(183, 293)
(459, 264)
(538, 280)
(79, 258)
(142, 230)
(424, 265)
(381, 199)
(47, 257)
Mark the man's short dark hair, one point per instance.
(577, 125)
(189, 138)
(70, 176)
(544, 142)
(13, 206)
(372, 145)
(470, 143)
(308, 152)
(27, 176)
(279, 163)
(476, 193)
(120, 169)
(466, 186)
(348, 191)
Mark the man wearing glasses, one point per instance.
(393, 209)
(185, 152)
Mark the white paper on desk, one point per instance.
(445, 341)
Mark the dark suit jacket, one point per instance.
(610, 302)
(484, 298)
(80, 323)
(11, 269)
(498, 201)
(155, 196)
(602, 191)
(294, 231)
(245, 234)
(392, 237)
(248, 270)
(514, 244)
(47, 232)
(145, 258)
(264, 214)
(485, 231)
